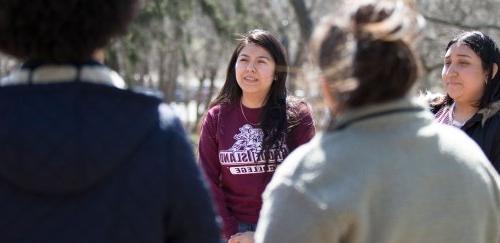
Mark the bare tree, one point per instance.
(182, 46)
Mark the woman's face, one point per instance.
(463, 75)
(255, 70)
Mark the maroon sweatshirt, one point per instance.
(229, 154)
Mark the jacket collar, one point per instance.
(91, 72)
(372, 111)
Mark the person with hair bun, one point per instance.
(472, 83)
(384, 171)
(82, 157)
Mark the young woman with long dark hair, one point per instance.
(250, 127)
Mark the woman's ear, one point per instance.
(494, 70)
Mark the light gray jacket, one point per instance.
(388, 174)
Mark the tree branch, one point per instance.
(460, 25)
(303, 18)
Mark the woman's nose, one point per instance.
(451, 71)
(251, 66)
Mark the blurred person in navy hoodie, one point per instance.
(83, 158)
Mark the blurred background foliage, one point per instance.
(182, 47)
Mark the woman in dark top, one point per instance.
(83, 158)
(472, 83)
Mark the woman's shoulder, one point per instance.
(491, 112)
(298, 106)
(215, 111)
(217, 108)
(299, 113)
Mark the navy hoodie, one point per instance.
(84, 161)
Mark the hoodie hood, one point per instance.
(60, 136)
(488, 112)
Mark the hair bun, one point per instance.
(387, 21)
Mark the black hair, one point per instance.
(487, 50)
(61, 31)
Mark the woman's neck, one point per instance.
(463, 111)
(252, 101)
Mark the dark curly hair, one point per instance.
(58, 31)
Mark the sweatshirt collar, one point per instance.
(91, 72)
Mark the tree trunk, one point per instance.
(306, 27)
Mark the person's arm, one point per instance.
(209, 161)
(190, 217)
(288, 216)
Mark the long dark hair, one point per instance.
(487, 50)
(275, 118)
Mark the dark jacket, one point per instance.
(83, 161)
(484, 128)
